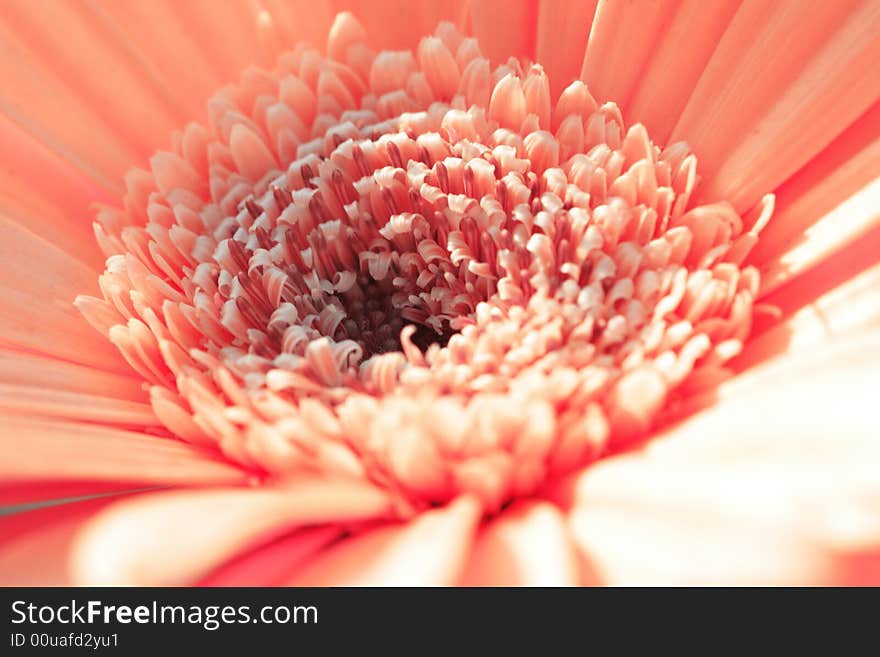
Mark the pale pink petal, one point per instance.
(35, 545)
(430, 550)
(776, 485)
(851, 304)
(527, 545)
(274, 563)
(129, 542)
(848, 165)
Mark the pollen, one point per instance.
(415, 269)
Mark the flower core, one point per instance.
(413, 269)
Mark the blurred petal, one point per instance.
(850, 305)
(35, 401)
(849, 165)
(14, 495)
(504, 28)
(35, 545)
(773, 482)
(128, 543)
(430, 550)
(853, 218)
(527, 545)
(49, 195)
(400, 24)
(272, 564)
(28, 369)
(776, 485)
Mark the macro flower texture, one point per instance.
(499, 292)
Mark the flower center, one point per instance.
(359, 279)
(418, 271)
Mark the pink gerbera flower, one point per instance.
(452, 295)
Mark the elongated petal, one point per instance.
(399, 24)
(32, 370)
(36, 310)
(39, 402)
(528, 545)
(852, 219)
(684, 47)
(47, 450)
(428, 551)
(274, 563)
(562, 32)
(776, 485)
(622, 40)
(174, 538)
(760, 112)
(850, 304)
(849, 165)
(35, 545)
(504, 29)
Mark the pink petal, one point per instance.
(527, 545)
(175, 538)
(776, 485)
(430, 550)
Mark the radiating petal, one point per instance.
(48, 195)
(527, 545)
(622, 40)
(775, 485)
(399, 24)
(174, 538)
(47, 450)
(40, 402)
(233, 24)
(157, 38)
(15, 495)
(820, 306)
(854, 218)
(849, 165)
(274, 563)
(504, 28)
(36, 310)
(27, 369)
(562, 32)
(676, 63)
(307, 22)
(430, 550)
(777, 90)
(35, 545)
